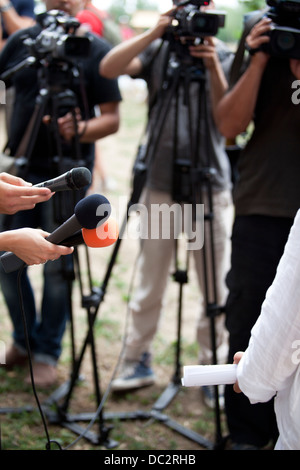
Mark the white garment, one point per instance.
(270, 365)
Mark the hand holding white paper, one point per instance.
(198, 376)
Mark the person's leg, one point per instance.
(9, 287)
(54, 309)
(257, 246)
(147, 303)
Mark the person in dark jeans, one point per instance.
(46, 328)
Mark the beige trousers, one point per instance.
(154, 265)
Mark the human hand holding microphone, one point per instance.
(82, 227)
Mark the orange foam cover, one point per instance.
(104, 235)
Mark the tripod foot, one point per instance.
(167, 396)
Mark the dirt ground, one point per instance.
(150, 431)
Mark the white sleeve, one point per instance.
(270, 358)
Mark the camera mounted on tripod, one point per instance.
(285, 33)
(58, 39)
(190, 22)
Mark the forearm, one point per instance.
(12, 20)
(123, 59)
(235, 110)
(98, 127)
(117, 61)
(218, 88)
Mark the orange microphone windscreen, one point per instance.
(104, 235)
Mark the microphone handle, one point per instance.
(73, 240)
(61, 183)
(65, 230)
(10, 262)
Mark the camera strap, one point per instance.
(239, 55)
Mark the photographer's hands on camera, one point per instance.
(256, 38)
(69, 125)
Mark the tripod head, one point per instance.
(55, 51)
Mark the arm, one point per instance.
(295, 67)
(236, 109)
(31, 246)
(16, 194)
(95, 128)
(123, 59)
(12, 20)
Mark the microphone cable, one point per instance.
(23, 315)
(119, 359)
(115, 371)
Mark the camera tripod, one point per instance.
(202, 179)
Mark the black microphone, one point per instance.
(89, 213)
(77, 178)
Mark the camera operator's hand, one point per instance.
(256, 38)
(207, 52)
(68, 125)
(31, 245)
(295, 67)
(17, 194)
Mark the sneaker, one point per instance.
(209, 396)
(134, 374)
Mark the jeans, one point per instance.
(257, 246)
(45, 326)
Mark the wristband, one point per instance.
(83, 130)
(252, 51)
(6, 7)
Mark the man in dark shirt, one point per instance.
(45, 334)
(267, 198)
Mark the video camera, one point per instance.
(285, 33)
(190, 22)
(57, 40)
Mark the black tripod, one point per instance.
(201, 180)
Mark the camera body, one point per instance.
(57, 40)
(285, 32)
(190, 22)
